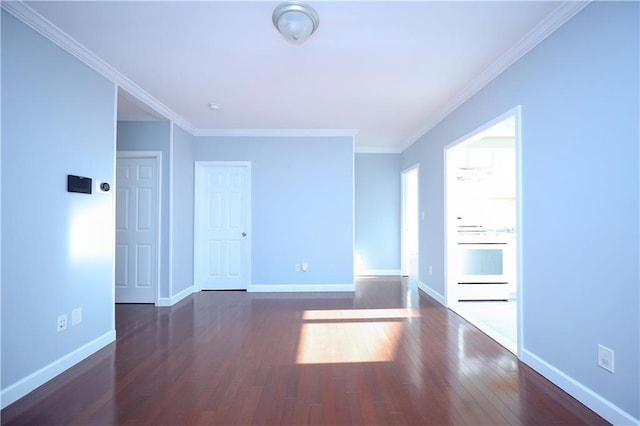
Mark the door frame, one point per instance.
(449, 227)
(198, 261)
(403, 202)
(157, 156)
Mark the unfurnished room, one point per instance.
(322, 212)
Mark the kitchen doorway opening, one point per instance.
(410, 226)
(481, 187)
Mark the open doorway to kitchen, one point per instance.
(409, 247)
(481, 228)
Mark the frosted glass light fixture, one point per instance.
(295, 21)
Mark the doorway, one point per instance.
(222, 225)
(481, 228)
(137, 226)
(410, 226)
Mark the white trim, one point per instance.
(206, 163)
(197, 240)
(380, 272)
(22, 387)
(432, 293)
(517, 112)
(558, 17)
(170, 301)
(378, 150)
(288, 133)
(353, 210)
(45, 27)
(114, 157)
(300, 288)
(157, 155)
(603, 407)
(565, 11)
(170, 214)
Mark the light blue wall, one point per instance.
(302, 205)
(579, 92)
(377, 210)
(182, 215)
(153, 136)
(57, 119)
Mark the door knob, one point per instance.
(244, 234)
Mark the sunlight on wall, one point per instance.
(351, 335)
(91, 231)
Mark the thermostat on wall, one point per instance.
(78, 184)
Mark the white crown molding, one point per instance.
(289, 133)
(45, 27)
(558, 17)
(378, 150)
(552, 22)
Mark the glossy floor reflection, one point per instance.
(385, 354)
(498, 319)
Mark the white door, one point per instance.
(222, 225)
(137, 227)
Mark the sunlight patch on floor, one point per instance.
(359, 314)
(351, 335)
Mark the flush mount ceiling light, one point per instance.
(295, 21)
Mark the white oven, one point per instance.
(484, 268)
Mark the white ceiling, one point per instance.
(390, 70)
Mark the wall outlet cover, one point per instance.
(76, 316)
(62, 322)
(606, 358)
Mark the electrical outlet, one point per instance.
(297, 267)
(305, 267)
(62, 322)
(76, 316)
(430, 270)
(606, 358)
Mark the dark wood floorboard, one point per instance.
(384, 355)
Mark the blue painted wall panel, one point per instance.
(153, 136)
(58, 118)
(579, 91)
(182, 216)
(302, 205)
(377, 211)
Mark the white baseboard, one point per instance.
(170, 301)
(606, 409)
(380, 272)
(282, 288)
(431, 292)
(22, 387)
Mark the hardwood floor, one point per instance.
(383, 355)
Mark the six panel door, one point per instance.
(136, 230)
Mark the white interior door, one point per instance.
(137, 227)
(222, 225)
